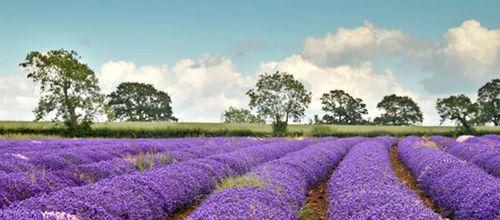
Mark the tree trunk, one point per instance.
(71, 109)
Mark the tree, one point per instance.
(241, 115)
(342, 108)
(68, 88)
(133, 101)
(398, 110)
(459, 109)
(489, 102)
(279, 97)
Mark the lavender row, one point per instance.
(155, 193)
(442, 142)
(364, 186)
(84, 154)
(462, 190)
(281, 185)
(482, 152)
(19, 186)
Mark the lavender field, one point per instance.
(249, 178)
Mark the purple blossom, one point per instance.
(462, 190)
(364, 186)
(18, 186)
(158, 192)
(283, 185)
(442, 142)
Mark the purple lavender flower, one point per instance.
(158, 192)
(443, 142)
(364, 187)
(18, 186)
(462, 190)
(282, 185)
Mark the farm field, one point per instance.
(26, 129)
(251, 178)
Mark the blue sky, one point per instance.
(248, 33)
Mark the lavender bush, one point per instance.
(442, 142)
(364, 186)
(462, 190)
(282, 185)
(21, 185)
(158, 192)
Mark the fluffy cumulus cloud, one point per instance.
(113, 73)
(354, 46)
(18, 97)
(462, 60)
(202, 89)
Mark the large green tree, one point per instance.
(488, 98)
(280, 97)
(342, 108)
(133, 101)
(460, 109)
(241, 115)
(398, 110)
(68, 88)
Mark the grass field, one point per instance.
(25, 129)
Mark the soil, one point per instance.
(316, 202)
(404, 175)
(182, 214)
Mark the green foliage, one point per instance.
(280, 97)
(321, 130)
(398, 110)
(144, 161)
(241, 115)
(20, 129)
(306, 213)
(459, 109)
(279, 128)
(342, 108)
(68, 88)
(239, 181)
(488, 98)
(134, 101)
(165, 158)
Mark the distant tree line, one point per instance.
(70, 93)
(279, 97)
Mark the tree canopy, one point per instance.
(398, 110)
(280, 97)
(460, 109)
(133, 101)
(342, 108)
(68, 88)
(488, 98)
(241, 115)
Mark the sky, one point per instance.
(207, 54)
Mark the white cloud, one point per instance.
(18, 97)
(200, 89)
(354, 46)
(465, 58)
(115, 72)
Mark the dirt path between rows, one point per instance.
(182, 214)
(316, 205)
(404, 175)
